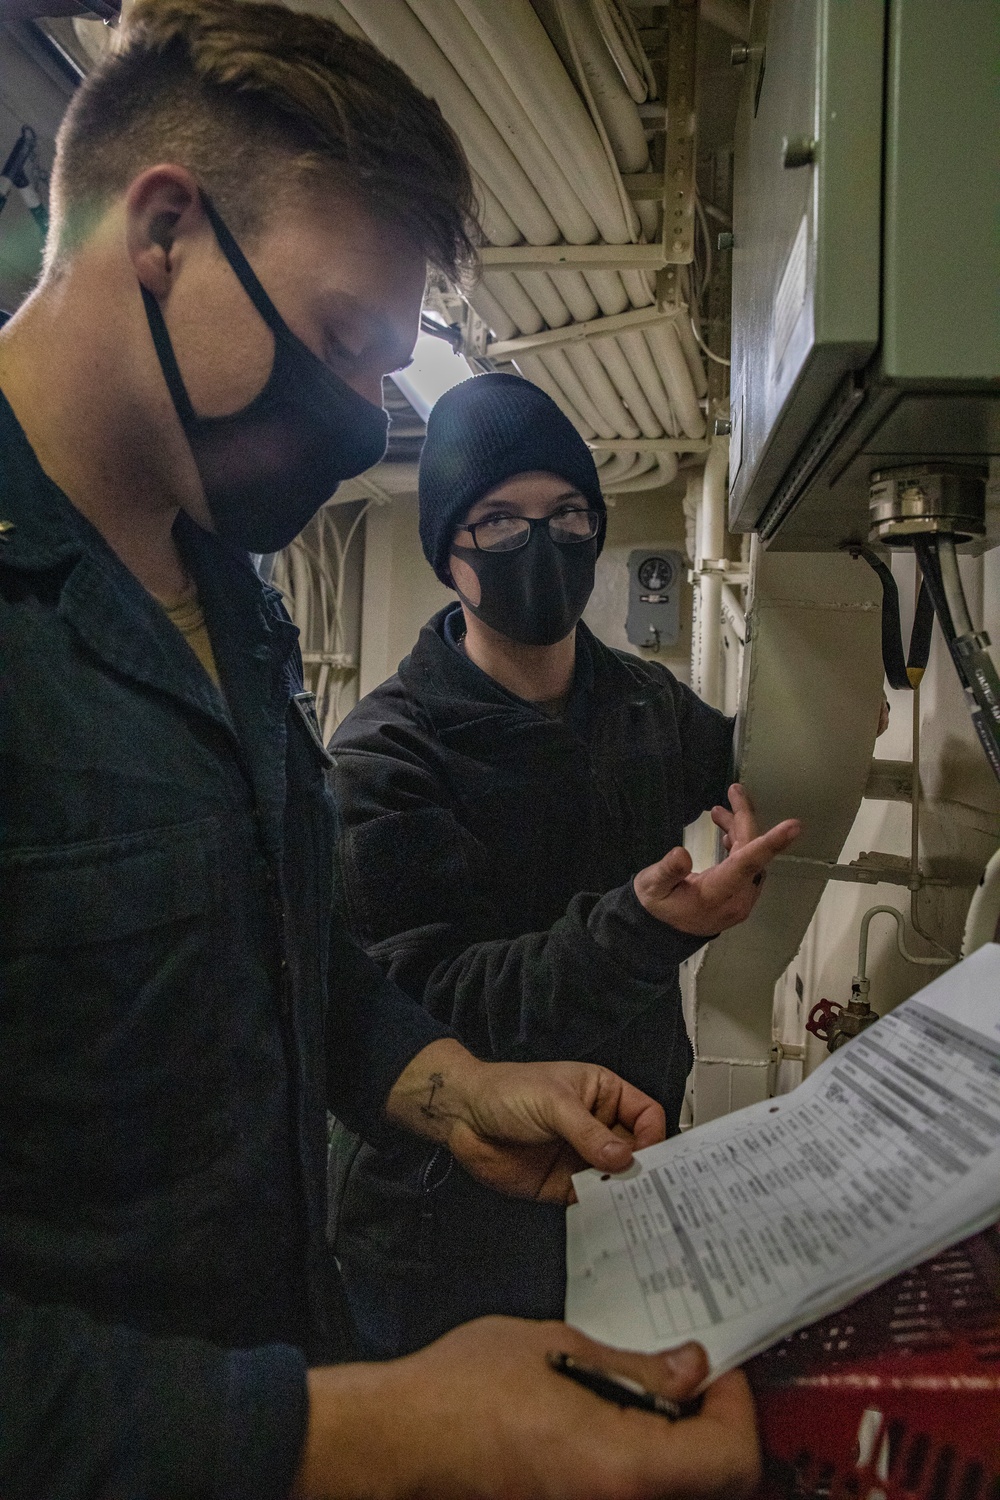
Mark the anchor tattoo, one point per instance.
(437, 1082)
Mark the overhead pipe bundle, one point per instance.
(512, 81)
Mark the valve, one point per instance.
(823, 1017)
(856, 1017)
(836, 1024)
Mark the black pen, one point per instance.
(617, 1388)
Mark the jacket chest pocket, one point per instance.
(113, 1009)
(105, 890)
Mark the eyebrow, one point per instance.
(570, 494)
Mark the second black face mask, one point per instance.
(536, 594)
(268, 468)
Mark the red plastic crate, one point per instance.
(897, 1397)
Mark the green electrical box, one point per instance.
(866, 314)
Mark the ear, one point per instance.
(162, 208)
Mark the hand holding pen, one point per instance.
(620, 1389)
(486, 1411)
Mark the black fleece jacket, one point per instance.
(486, 854)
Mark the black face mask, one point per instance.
(268, 468)
(536, 594)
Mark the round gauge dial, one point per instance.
(656, 574)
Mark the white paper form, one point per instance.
(752, 1226)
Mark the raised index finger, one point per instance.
(759, 852)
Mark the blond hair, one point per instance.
(250, 98)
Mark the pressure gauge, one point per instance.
(656, 574)
(654, 597)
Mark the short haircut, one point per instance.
(252, 98)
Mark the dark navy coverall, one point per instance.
(177, 1009)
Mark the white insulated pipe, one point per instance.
(619, 467)
(533, 369)
(515, 301)
(494, 220)
(595, 377)
(625, 22)
(520, 47)
(397, 32)
(696, 367)
(609, 289)
(668, 466)
(613, 292)
(711, 546)
(612, 99)
(669, 356)
(545, 297)
(482, 300)
(616, 393)
(577, 295)
(566, 377)
(623, 377)
(446, 24)
(637, 353)
(639, 288)
(612, 33)
(662, 471)
(642, 465)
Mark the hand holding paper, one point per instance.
(752, 1226)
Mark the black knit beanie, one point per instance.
(482, 432)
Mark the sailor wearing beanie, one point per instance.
(506, 801)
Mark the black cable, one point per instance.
(920, 635)
(13, 168)
(925, 548)
(969, 652)
(900, 669)
(450, 333)
(893, 659)
(15, 174)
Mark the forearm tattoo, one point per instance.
(429, 1110)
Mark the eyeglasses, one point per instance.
(508, 533)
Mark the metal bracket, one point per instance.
(679, 156)
(720, 567)
(375, 494)
(571, 257)
(889, 781)
(868, 869)
(676, 189)
(643, 186)
(465, 329)
(341, 661)
(556, 338)
(649, 445)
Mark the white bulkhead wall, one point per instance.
(400, 591)
(960, 830)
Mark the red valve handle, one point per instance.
(822, 1017)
